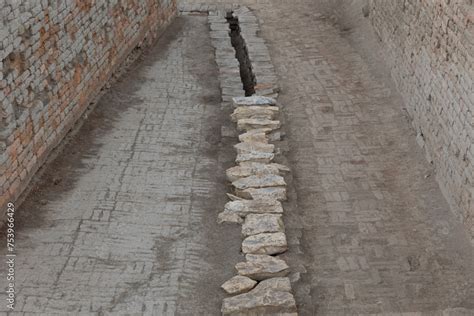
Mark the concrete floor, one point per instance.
(124, 220)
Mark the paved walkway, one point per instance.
(130, 226)
(377, 235)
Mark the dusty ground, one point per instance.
(125, 218)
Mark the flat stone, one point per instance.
(238, 284)
(229, 217)
(249, 124)
(278, 284)
(259, 181)
(262, 223)
(246, 169)
(272, 193)
(253, 100)
(246, 207)
(246, 112)
(267, 298)
(234, 197)
(255, 156)
(265, 243)
(261, 267)
(281, 167)
(265, 130)
(246, 147)
(252, 136)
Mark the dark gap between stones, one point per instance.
(246, 74)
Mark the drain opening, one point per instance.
(241, 53)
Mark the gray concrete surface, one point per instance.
(123, 222)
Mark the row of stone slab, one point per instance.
(228, 65)
(258, 54)
(261, 286)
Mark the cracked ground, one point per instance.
(124, 219)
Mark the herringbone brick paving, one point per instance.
(377, 234)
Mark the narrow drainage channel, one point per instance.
(241, 53)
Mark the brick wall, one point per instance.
(430, 48)
(55, 56)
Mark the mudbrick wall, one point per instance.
(55, 56)
(430, 48)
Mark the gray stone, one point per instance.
(265, 243)
(249, 124)
(259, 181)
(255, 156)
(278, 284)
(271, 193)
(262, 223)
(246, 147)
(269, 297)
(261, 267)
(253, 100)
(245, 207)
(255, 135)
(234, 197)
(246, 169)
(229, 217)
(245, 112)
(238, 284)
(281, 167)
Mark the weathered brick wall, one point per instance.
(55, 56)
(430, 48)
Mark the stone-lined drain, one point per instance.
(241, 53)
(262, 284)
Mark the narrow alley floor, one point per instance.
(124, 220)
(377, 234)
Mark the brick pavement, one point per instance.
(130, 226)
(377, 234)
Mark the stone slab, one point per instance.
(261, 267)
(262, 223)
(253, 100)
(238, 284)
(271, 193)
(245, 207)
(265, 243)
(259, 181)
